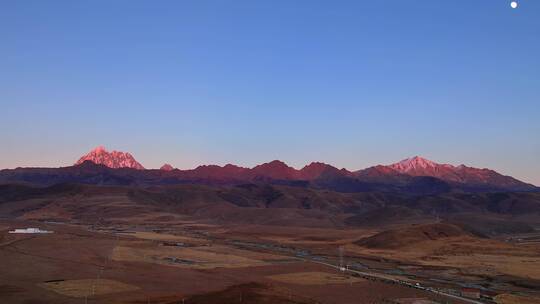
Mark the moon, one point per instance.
(514, 4)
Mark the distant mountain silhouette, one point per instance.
(418, 166)
(415, 175)
(317, 170)
(276, 169)
(166, 167)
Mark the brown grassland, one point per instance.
(87, 287)
(314, 278)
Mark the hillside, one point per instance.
(395, 239)
(260, 203)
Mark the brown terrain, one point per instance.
(260, 243)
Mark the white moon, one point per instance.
(514, 4)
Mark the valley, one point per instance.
(232, 244)
(269, 152)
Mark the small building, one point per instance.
(29, 230)
(488, 295)
(473, 293)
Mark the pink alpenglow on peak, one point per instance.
(317, 172)
(166, 167)
(418, 166)
(114, 159)
(417, 163)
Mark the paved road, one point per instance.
(387, 278)
(383, 277)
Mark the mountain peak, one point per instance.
(275, 169)
(166, 167)
(414, 164)
(317, 170)
(99, 149)
(275, 164)
(318, 165)
(114, 159)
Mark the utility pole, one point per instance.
(96, 282)
(341, 249)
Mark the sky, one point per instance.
(350, 83)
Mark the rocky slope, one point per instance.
(114, 159)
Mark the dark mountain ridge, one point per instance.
(413, 175)
(319, 176)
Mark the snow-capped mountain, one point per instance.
(412, 175)
(113, 159)
(418, 166)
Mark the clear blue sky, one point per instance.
(351, 83)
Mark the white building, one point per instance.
(29, 230)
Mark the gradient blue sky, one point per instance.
(351, 83)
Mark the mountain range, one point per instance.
(411, 175)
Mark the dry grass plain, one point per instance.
(87, 287)
(206, 257)
(314, 278)
(475, 256)
(168, 274)
(516, 299)
(148, 235)
(297, 236)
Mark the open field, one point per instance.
(474, 256)
(516, 299)
(147, 235)
(87, 287)
(198, 258)
(314, 278)
(136, 270)
(186, 248)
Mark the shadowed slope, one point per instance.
(393, 239)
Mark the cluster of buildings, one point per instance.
(476, 293)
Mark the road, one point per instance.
(383, 277)
(386, 278)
